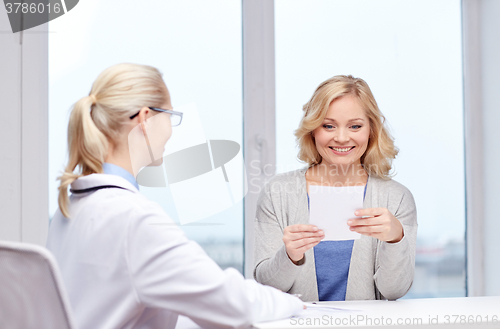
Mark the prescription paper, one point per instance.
(331, 207)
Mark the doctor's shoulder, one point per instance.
(132, 207)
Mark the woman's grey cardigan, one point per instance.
(378, 270)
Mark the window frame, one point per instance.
(25, 134)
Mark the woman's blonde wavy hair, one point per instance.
(377, 160)
(119, 92)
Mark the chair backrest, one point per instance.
(31, 290)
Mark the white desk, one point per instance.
(465, 312)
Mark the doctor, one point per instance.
(124, 262)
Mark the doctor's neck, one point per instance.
(121, 157)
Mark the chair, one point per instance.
(31, 290)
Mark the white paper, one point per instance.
(331, 208)
(328, 307)
(320, 310)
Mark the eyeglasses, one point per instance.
(175, 117)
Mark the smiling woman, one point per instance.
(343, 140)
(343, 110)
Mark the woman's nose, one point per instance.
(341, 136)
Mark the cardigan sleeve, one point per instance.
(395, 264)
(272, 267)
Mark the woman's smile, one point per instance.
(341, 150)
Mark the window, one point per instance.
(410, 54)
(197, 46)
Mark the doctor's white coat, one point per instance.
(125, 264)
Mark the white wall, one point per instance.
(490, 57)
(10, 133)
(23, 135)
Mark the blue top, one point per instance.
(332, 260)
(112, 169)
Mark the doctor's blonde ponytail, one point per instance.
(118, 92)
(87, 148)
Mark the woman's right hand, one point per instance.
(299, 238)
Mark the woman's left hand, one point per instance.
(379, 223)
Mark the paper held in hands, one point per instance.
(331, 208)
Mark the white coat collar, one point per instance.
(97, 180)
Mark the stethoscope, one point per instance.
(95, 188)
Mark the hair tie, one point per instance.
(94, 99)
